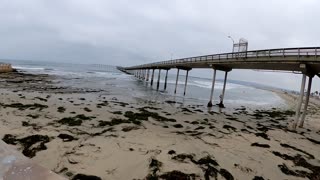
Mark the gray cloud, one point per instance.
(127, 32)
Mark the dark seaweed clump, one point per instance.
(280, 115)
(177, 175)
(87, 109)
(298, 160)
(66, 137)
(31, 144)
(76, 120)
(297, 149)
(23, 107)
(61, 109)
(144, 115)
(207, 164)
(85, 177)
(261, 145)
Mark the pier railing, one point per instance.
(282, 53)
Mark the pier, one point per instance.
(304, 60)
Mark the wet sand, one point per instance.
(79, 134)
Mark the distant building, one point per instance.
(4, 67)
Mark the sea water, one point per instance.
(108, 78)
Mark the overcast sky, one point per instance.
(125, 32)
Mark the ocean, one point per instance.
(108, 78)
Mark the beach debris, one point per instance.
(66, 137)
(297, 149)
(41, 99)
(228, 127)
(23, 107)
(177, 126)
(87, 109)
(33, 116)
(129, 128)
(258, 178)
(117, 112)
(31, 144)
(171, 152)
(85, 177)
(177, 175)
(260, 145)
(298, 160)
(76, 120)
(263, 135)
(61, 109)
(226, 174)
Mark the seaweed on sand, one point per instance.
(31, 144)
(23, 107)
(298, 160)
(85, 177)
(260, 145)
(177, 175)
(76, 120)
(66, 137)
(87, 109)
(61, 109)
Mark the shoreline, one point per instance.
(78, 133)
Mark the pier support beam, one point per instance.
(298, 109)
(185, 84)
(223, 90)
(165, 80)
(148, 73)
(158, 83)
(175, 89)
(212, 88)
(152, 77)
(305, 109)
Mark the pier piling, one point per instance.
(148, 73)
(152, 77)
(158, 83)
(298, 109)
(212, 88)
(175, 89)
(223, 90)
(305, 109)
(185, 84)
(165, 81)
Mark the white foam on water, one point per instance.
(29, 68)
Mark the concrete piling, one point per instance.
(185, 84)
(305, 109)
(152, 77)
(298, 109)
(165, 81)
(175, 89)
(158, 83)
(223, 90)
(212, 88)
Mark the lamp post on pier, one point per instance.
(232, 44)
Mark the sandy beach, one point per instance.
(83, 134)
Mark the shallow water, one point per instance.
(114, 82)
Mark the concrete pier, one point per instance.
(300, 59)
